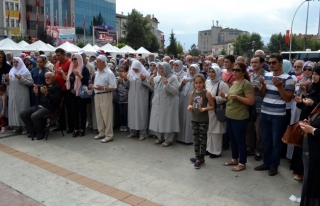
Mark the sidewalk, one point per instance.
(82, 171)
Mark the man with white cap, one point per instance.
(105, 82)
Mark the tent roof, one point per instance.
(89, 48)
(69, 47)
(52, 47)
(23, 43)
(127, 49)
(142, 50)
(38, 45)
(96, 47)
(9, 45)
(109, 48)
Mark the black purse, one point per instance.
(220, 109)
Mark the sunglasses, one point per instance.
(272, 63)
(297, 66)
(307, 69)
(74, 59)
(212, 72)
(236, 70)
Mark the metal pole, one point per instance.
(117, 38)
(305, 36)
(291, 29)
(279, 43)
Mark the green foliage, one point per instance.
(97, 20)
(154, 44)
(120, 45)
(194, 51)
(172, 48)
(223, 52)
(79, 30)
(81, 44)
(244, 44)
(18, 39)
(179, 48)
(138, 30)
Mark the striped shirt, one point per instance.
(273, 103)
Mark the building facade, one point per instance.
(217, 35)
(226, 46)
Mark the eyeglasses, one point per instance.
(74, 59)
(297, 66)
(305, 69)
(47, 78)
(272, 63)
(236, 70)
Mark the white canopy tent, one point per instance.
(52, 47)
(127, 49)
(69, 47)
(89, 49)
(109, 48)
(9, 45)
(96, 47)
(37, 46)
(143, 51)
(23, 43)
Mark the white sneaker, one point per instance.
(98, 137)
(121, 128)
(106, 139)
(3, 130)
(125, 129)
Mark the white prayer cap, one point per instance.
(102, 57)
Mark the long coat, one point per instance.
(164, 116)
(215, 126)
(185, 135)
(19, 99)
(138, 103)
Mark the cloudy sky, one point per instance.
(188, 17)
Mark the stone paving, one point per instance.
(141, 172)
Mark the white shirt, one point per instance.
(105, 78)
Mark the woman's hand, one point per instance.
(224, 95)
(190, 108)
(234, 97)
(306, 127)
(142, 77)
(6, 77)
(297, 99)
(18, 76)
(75, 72)
(164, 80)
(307, 101)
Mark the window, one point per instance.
(16, 6)
(11, 6)
(123, 32)
(6, 4)
(17, 23)
(7, 22)
(12, 22)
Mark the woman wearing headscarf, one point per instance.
(30, 63)
(205, 68)
(4, 66)
(19, 79)
(178, 69)
(186, 86)
(215, 85)
(138, 99)
(78, 75)
(164, 119)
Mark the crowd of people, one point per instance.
(174, 99)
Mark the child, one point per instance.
(123, 99)
(201, 102)
(3, 108)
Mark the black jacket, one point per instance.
(52, 99)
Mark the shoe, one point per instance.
(165, 144)
(262, 167)
(59, 129)
(273, 171)
(125, 129)
(298, 177)
(197, 165)
(194, 159)
(121, 128)
(158, 141)
(32, 134)
(69, 131)
(130, 135)
(239, 168)
(3, 130)
(40, 137)
(81, 133)
(141, 138)
(10, 128)
(231, 162)
(106, 139)
(98, 137)
(214, 156)
(257, 157)
(250, 152)
(24, 132)
(208, 153)
(75, 133)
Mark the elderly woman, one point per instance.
(138, 99)
(186, 87)
(164, 117)
(178, 69)
(215, 85)
(78, 75)
(19, 80)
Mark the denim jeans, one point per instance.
(236, 130)
(272, 130)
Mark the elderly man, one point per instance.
(262, 54)
(48, 99)
(105, 82)
(220, 62)
(189, 60)
(298, 68)
(166, 59)
(9, 58)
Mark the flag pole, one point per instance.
(92, 33)
(84, 28)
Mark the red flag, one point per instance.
(84, 22)
(47, 19)
(28, 16)
(37, 3)
(19, 16)
(65, 21)
(37, 20)
(287, 36)
(9, 16)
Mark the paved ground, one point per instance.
(66, 171)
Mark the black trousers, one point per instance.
(78, 112)
(33, 117)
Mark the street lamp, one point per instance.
(279, 43)
(291, 28)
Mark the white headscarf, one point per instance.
(218, 72)
(186, 88)
(142, 70)
(21, 69)
(180, 70)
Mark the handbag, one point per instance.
(84, 92)
(220, 109)
(293, 135)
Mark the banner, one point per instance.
(287, 36)
(60, 34)
(105, 34)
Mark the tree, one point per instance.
(194, 51)
(138, 30)
(154, 44)
(244, 44)
(277, 40)
(79, 30)
(18, 39)
(81, 44)
(179, 48)
(97, 20)
(223, 52)
(172, 48)
(120, 45)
